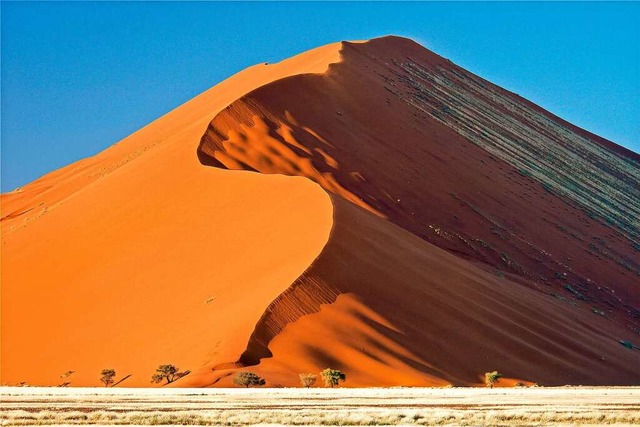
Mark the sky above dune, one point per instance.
(78, 77)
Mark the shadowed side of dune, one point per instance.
(305, 296)
(455, 160)
(417, 163)
(391, 309)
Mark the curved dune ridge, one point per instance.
(140, 256)
(415, 259)
(438, 168)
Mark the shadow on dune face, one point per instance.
(408, 135)
(262, 143)
(379, 298)
(451, 321)
(306, 295)
(377, 132)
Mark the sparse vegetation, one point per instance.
(308, 380)
(332, 377)
(248, 379)
(492, 378)
(107, 377)
(168, 373)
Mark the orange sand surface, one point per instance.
(141, 256)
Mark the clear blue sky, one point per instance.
(78, 77)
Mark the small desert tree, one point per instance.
(332, 377)
(308, 380)
(168, 373)
(248, 379)
(492, 378)
(107, 377)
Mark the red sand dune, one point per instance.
(466, 230)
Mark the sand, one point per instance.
(403, 228)
(141, 256)
(388, 308)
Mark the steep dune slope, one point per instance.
(454, 160)
(181, 127)
(397, 310)
(467, 167)
(140, 255)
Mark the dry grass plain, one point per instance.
(293, 406)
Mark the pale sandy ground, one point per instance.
(295, 406)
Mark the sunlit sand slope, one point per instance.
(141, 256)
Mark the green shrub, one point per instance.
(169, 373)
(492, 378)
(332, 377)
(248, 379)
(107, 377)
(308, 380)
